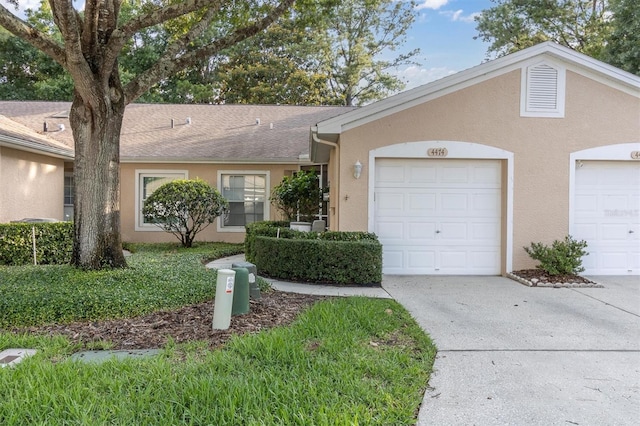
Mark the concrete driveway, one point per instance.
(514, 355)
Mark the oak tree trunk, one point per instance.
(96, 126)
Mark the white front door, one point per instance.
(607, 216)
(436, 216)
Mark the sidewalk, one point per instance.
(304, 288)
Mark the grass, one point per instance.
(160, 276)
(344, 361)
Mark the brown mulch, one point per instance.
(189, 323)
(540, 278)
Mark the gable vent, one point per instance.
(543, 88)
(543, 91)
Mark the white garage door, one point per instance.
(607, 216)
(438, 216)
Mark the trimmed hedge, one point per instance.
(341, 262)
(54, 243)
(328, 257)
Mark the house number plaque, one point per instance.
(437, 152)
(635, 155)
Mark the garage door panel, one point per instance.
(422, 201)
(425, 231)
(390, 202)
(459, 198)
(614, 233)
(454, 174)
(485, 232)
(389, 174)
(421, 175)
(390, 230)
(606, 215)
(425, 259)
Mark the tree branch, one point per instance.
(37, 39)
(169, 63)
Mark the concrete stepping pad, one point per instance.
(103, 356)
(10, 357)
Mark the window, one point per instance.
(247, 196)
(68, 196)
(148, 181)
(543, 88)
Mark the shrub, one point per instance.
(54, 243)
(341, 262)
(563, 257)
(184, 207)
(297, 195)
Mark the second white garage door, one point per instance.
(607, 216)
(438, 216)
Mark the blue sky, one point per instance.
(444, 33)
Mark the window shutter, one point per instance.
(543, 89)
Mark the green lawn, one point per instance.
(344, 361)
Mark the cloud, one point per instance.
(458, 15)
(416, 76)
(431, 4)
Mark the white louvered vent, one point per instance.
(543, 91)
(543, 88)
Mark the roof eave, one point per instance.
(35, 148)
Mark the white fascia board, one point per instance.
(35, 148)
(583, 64)
(165, 160)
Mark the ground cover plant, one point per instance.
(341, 361)
(161, 276)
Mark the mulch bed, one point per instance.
(189, 323)
(540, 278)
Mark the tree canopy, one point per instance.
(88, 45)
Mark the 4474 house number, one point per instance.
(437, 152)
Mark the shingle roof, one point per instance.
(17, 136)
(215, 132)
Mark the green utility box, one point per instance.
(240, 304)
(254, 290)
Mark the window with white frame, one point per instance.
(68, 196)
(247, 193)
(148, 181)
(543, 89)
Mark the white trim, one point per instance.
(458, 150)
(142, 227)
(618, 152)
(525, 90)
(267, 203)
(572, 60)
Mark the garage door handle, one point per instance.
(437, 232)
(631, 231)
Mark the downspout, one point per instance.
(336, 185)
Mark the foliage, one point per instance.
(563, 257)
(54, 243)
(162, 277)
(184, 207)
(513, 25)
(343, 361)
(87, 44)
(298, 197)
(359, 33)
(280, 229)
(623, 47)
(316, 260)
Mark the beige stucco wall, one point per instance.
(489, 113)
(31, 185)
(207, 172)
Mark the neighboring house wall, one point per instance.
(132, 194)
(488, 113)
(31, 185)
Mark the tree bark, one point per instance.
(96, 129)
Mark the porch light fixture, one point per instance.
(357, 169)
